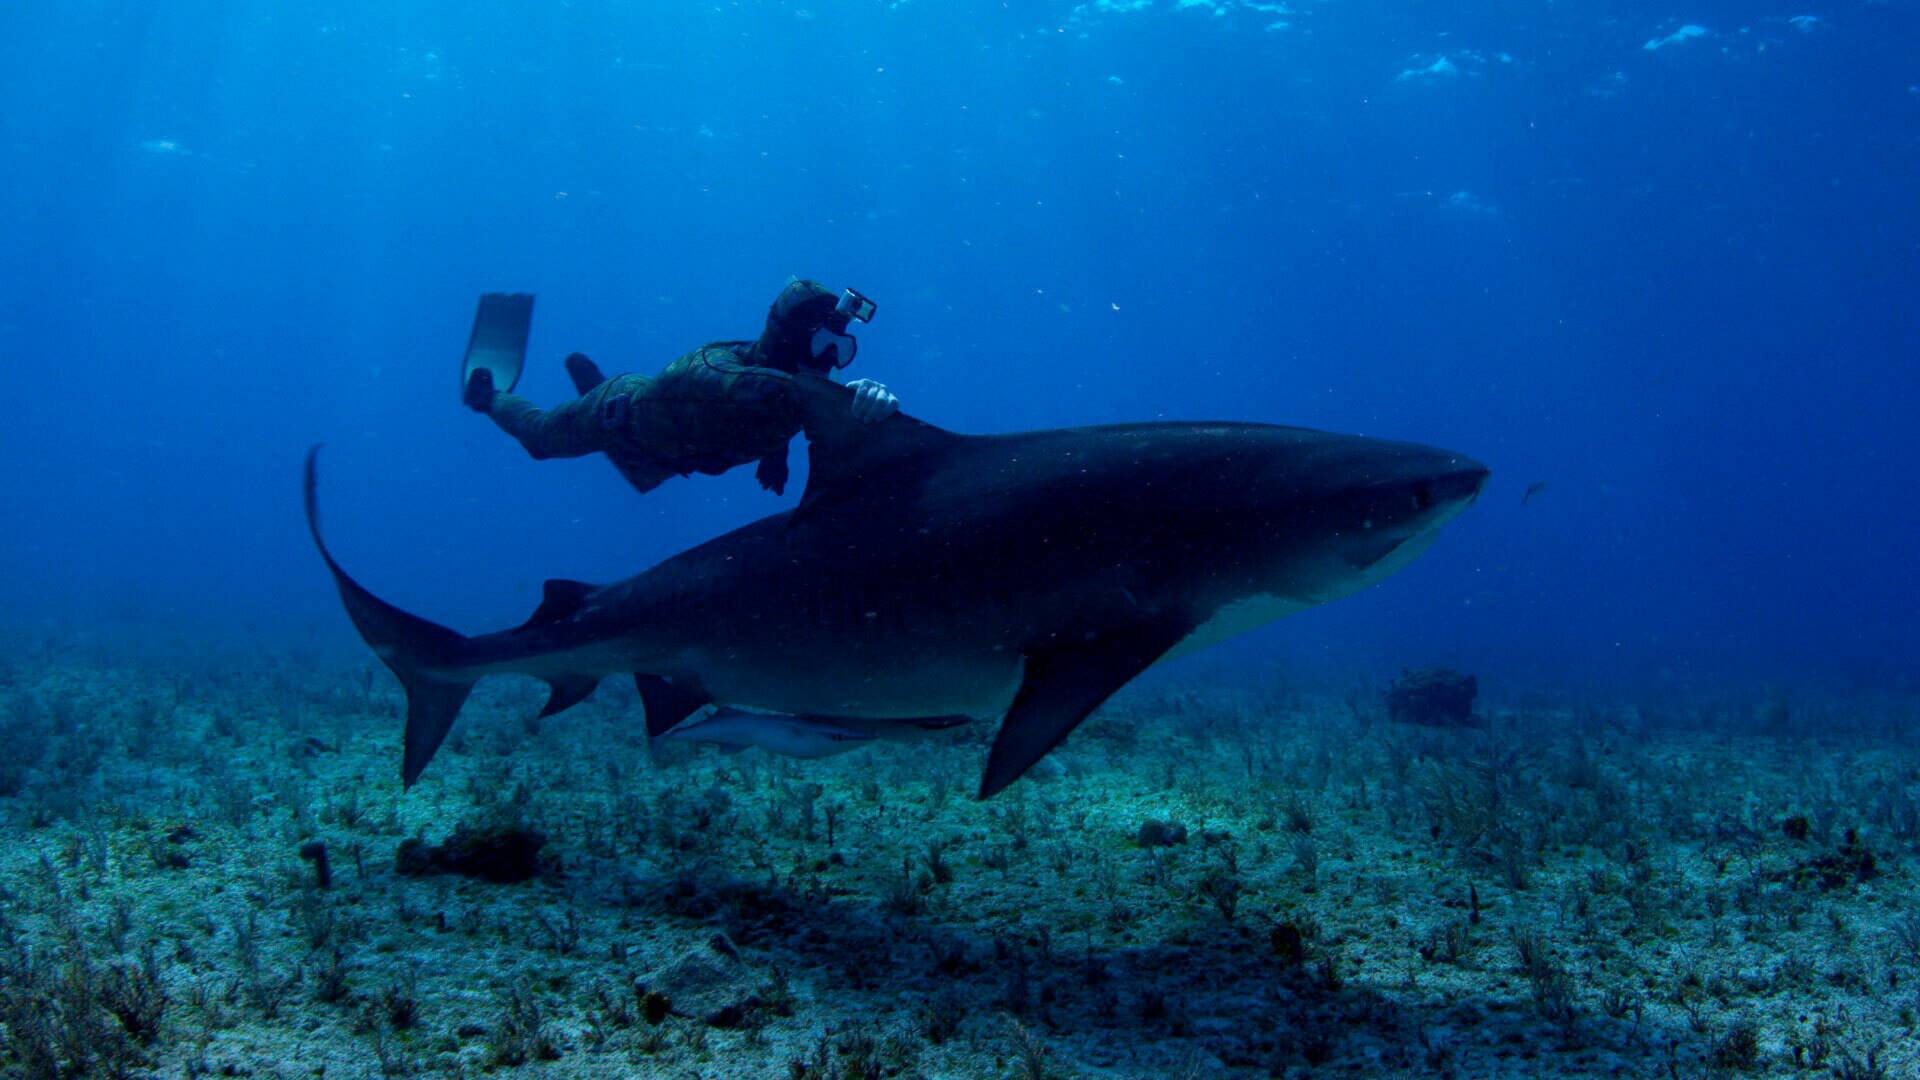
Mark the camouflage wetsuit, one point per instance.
(707, 412)
(719, 406)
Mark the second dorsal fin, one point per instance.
(560, 598)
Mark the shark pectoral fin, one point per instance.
(1063, 684)
(566, 691)
(559, 599)
(666, 704)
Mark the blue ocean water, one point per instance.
(1661, 259)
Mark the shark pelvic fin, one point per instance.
(431, 707)
(1064, 683)
(666, 704)
(566, 691)
(559, 599)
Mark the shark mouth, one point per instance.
(1369, 554)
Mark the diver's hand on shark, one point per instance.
(872, 402)
(772, 472)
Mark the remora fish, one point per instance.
(926, 573)
(802, 736)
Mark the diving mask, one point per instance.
(832, 346)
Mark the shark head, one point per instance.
(1316, 517)
(1348, 512)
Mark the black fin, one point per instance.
(1066, 682)
(585, 374)
(842, 452)
(559, 599)
(566, 691)
(413, 648)
(666, 704)
(501, 323)
(431, 707)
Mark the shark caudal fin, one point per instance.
(415, 650)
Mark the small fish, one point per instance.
(1533, 489)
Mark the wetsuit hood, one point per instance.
(787, 341)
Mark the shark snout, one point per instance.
(1420, 490)
(1460, 482)
(1443, 488)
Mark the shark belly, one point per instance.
(1234, 618)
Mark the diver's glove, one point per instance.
(479, 392)
(871, 401)
(772, 472)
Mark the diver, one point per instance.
(715, 408)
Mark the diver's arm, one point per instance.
(754, 409)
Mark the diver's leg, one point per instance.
(593, 422)
(568, 430)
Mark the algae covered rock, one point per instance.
(1433, 697)
(1849, 864)
(1154, 833)
(710, 982)
(503, 854)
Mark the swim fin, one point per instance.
(586, 374)
(499, 340)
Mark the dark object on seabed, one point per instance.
(502, 854)
(1160, 834)
(311, 747)
(315, 852)
(1433, 697)
(1288, 944)
(1851, 863)
(711, 982)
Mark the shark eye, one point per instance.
(1423, 496)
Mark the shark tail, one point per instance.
(418, 652)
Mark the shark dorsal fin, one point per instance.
(559, 599)
(843, 452)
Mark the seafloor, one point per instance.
(1691, 886)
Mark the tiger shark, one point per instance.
(929, 574)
